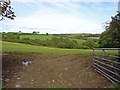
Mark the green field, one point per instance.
(79, 41)
(23, 48)
(38, 36)
(94, 37)
(45, 37)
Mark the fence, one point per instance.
(107, 64)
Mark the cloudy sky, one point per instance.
(60, 16)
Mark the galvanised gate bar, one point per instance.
(106, 61)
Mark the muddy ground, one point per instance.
(49, 70)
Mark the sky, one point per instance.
(60, 16)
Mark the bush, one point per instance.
(10, 36)
(58, 42)
(26, 39)
(105, 42)
(83, 47)
(61, 42)
(91, 43)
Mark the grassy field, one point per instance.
(24, 48)
(17, 47)
(94, 37)
(79, 41)
(38, 36)
(45, 37)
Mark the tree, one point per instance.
(34, 32)
(47, 34)
(19, 31)
(110, 37)
(38, 32)
(6, 10)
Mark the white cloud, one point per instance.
(57, 23)
(51, 20)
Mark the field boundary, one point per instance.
(107, 64)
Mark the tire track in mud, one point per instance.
(74, 68)
(52, 66)
(60, 67)
(73, 71)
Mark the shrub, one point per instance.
(91, 43)
(83, 47)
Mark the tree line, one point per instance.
(55, 41)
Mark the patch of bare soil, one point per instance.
(49, 71)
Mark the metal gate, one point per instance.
(106, 61)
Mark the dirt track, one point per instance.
(48, 71)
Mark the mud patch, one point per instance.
(11, 66)
(48, 70)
